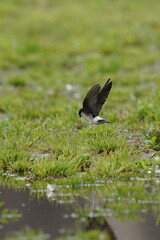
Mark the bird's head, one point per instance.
(80, 112)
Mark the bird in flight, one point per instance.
(93, 102)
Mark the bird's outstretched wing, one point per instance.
(102, 96)
(90, 101)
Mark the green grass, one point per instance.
(39, 235)
(27, 233)
(51, 53)
(8, 215)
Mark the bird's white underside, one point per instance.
(93, 121)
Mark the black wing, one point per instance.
(90, 101)
(102, 96)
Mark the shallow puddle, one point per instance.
(36, 214)
(44, 210)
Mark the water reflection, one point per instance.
(114, 209)
(36, 213)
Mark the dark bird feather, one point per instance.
(90, 100)
(96, 97)
(103, 95)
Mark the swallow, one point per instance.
(93, 103)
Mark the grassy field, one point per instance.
(51, 53)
